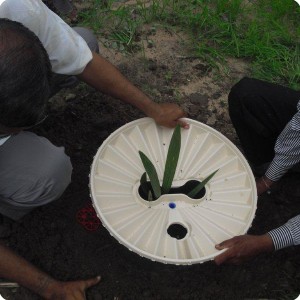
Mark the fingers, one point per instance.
(183, 124)
(90, 282)
(178, 114)
(219, 246)
(170, 115)
(220, 259)
(226, 244)
(227, 255)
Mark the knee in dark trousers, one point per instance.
(244, 87)
(247, 98)
(240, 93)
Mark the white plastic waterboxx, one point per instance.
(227, 209)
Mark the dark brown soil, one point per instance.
(52, 239)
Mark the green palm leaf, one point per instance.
(172, 160)
(201, 185)
(152, 174)
(143, 183)
(143, 179)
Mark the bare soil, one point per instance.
(80, 119)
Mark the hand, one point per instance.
(263, 184)
(72, 290)
(242, 248)
(168, 115)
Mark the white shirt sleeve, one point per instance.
(287, 149)
(68, 52)
(287, 234)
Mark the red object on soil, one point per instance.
(87, 217)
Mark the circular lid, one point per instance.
(174, 228)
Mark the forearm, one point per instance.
(17, 269)
(104, 77)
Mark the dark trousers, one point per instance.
(259, 112)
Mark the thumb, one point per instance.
(92, 281)
(226, 244)
(183, 123)
(222, 245)
(221, 258)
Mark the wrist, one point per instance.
(150, 108)
(266, 181)
(51, 290)
(266, 243)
